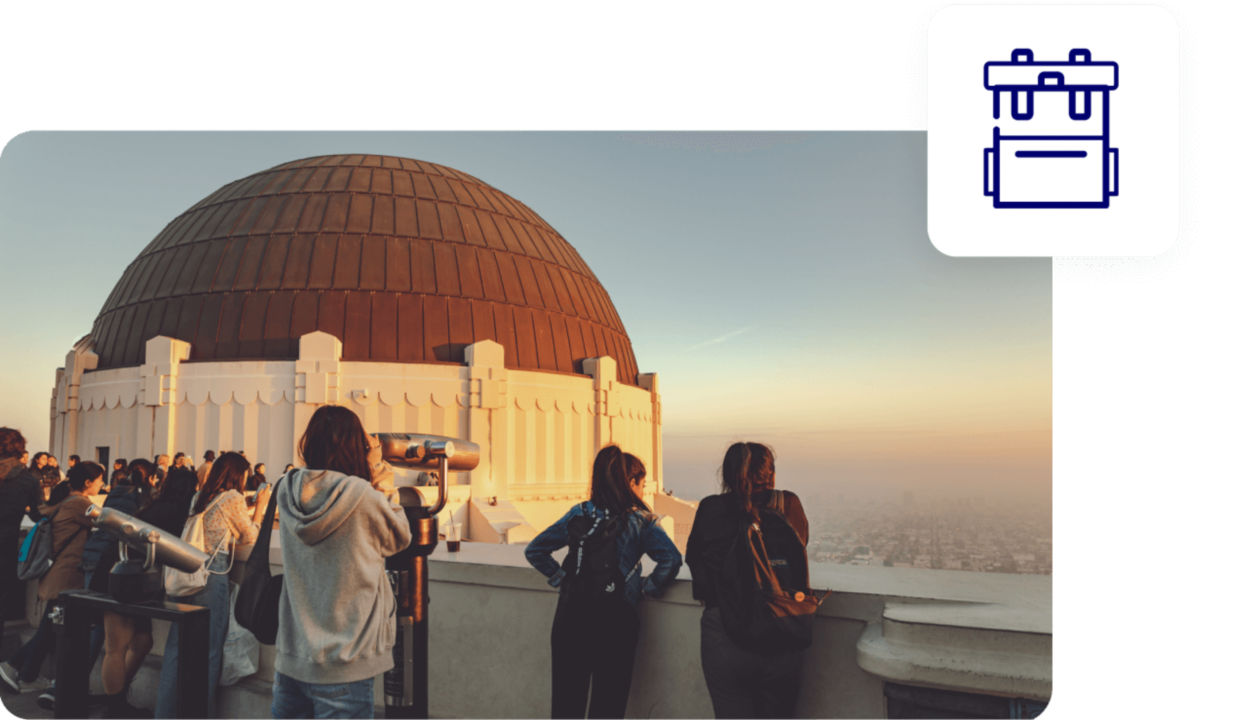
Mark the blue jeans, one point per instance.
(215, 596)
(296, 699)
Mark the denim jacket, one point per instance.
(640, 535)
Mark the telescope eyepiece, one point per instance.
(419, 451)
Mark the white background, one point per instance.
(1155, 367)
(1143, 218)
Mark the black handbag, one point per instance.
(258, 601)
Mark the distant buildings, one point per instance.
(963, 536)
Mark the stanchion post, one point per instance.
(80, 607)
(407, 684)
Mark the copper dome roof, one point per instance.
(404, 261)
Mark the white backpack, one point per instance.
(182, 584)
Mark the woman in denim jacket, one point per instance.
(594, 634)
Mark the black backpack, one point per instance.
(767, 606)
(36, 556)
(592, 569)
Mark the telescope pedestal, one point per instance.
(407, 684)
(84, 606)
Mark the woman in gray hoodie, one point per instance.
(337, 526)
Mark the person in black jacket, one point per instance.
(741, 683)
(125, 496)
(129, 639)
(20, 494)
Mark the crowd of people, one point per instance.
(338, 520)
(163, 492)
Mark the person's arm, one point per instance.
(382, 472)
(239, 517)
(400, 528)
(34, 498)
(704, 546)
(81, 518)
(794, 511)
(386, 522)
(539, 550)
(383, 481)
(658, 546)
(260, 503)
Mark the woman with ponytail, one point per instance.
(596, 627)
(742, 682)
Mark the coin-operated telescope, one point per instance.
(140, 544)
(407, 685)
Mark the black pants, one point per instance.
(744, 684)
(592, 648)
(12, 590)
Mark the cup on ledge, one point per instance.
(454, 533)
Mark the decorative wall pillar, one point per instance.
(487, 418)
(63, 440)
(57, 414)
(603, 372)
(652, 383)
(159, 378)
(317, 378)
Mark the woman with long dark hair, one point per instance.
(128, 640)
(599, 590)
(228, 520)
(257, 478)
(41, 468)
(70, 527)
(337, 612)
(742, 682)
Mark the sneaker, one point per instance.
(13, 681)
(9, 675)
(47, 699)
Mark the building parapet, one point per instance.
(978, 633)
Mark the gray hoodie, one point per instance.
(336, 610)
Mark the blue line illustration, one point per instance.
(1051, 153)
(1052, 141)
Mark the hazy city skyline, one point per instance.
(781, 285)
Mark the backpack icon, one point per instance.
(767, 606)
(591, 568)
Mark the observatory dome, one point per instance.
(402, 260)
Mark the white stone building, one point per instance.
(420, 297)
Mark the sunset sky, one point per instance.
(781, 284)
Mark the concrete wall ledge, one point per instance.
(964, 631)
(955, 658)
(491, 617)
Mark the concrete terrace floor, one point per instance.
(248, 698)
(25, 705)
